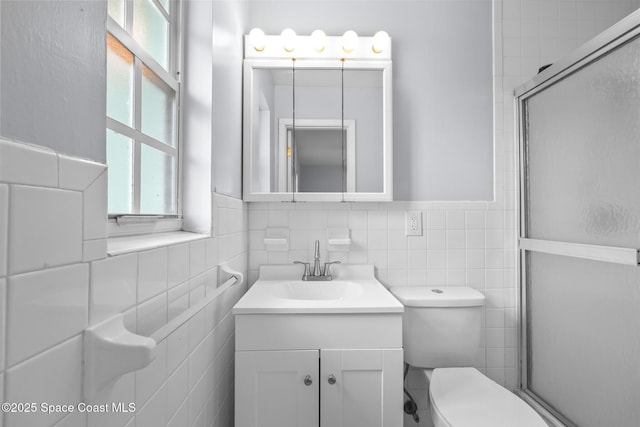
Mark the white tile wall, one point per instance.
(3, 311)
(113, 286)
(38, 240)
(177, 388)
(178, 264)
(95, 208)
(123, 392)
(78, 174)
(152, 273)
(37, 300)
(2, 395)
(58, 280)
(150, 378)
(53, 377)
(28, 164)
(4, 231)
(76, 419)
(153, 413)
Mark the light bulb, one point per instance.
(257, 39)
(349, 41)
(380, 41)
(288, 39)
(318, 40)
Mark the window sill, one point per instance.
(128, 244)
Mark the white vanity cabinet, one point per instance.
(327, 388)
(367, 390)
(277, 388)
(318, 354)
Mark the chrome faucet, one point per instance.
(317, 273)
(316, 259)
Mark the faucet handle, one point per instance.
(306, 269)
(327, 268)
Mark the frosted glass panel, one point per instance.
(584, 337)
(151, 30)
(116, 11)
(120, 177)
(157, 108)
(583, 154)
(157, 192)
(165, 5)
(119, 81)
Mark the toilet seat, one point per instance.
(463, 397)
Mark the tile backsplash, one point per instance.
(56, 279)
(462, 244)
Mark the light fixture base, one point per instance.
(305, 49)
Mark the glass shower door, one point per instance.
(580, 234)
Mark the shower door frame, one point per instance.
(622, 32)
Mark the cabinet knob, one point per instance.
(307, 380)
(331, 380)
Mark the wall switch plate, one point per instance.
(413, 223)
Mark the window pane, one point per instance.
(157, 108)
(151, 30)
(116, 11)
(156, 187)
(119, 82)
(120, 163)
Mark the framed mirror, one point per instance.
(317, 129)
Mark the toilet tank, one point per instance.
(441, 326)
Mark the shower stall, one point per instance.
(579, 132)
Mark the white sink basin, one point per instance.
(329, 290)
(354, 289)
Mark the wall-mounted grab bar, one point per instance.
(235, 277)
(110, 350)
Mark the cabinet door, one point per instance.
(367, 391)
(271, 390)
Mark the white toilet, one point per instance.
(441, 331)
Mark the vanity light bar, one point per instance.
(317, 45)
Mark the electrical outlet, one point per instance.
(413, 223)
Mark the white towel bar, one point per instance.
(110, 350)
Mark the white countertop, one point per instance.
(354, 289)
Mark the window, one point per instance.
(143, 92)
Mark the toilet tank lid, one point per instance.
(444, 296)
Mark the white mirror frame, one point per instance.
(249, 118)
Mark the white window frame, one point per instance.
(134, 224)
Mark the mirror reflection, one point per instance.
(316, 130)
(321, 155)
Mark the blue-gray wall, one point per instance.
(443, 84)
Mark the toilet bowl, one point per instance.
(441, 333)
(464, 397)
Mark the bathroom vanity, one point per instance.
(324, 353)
